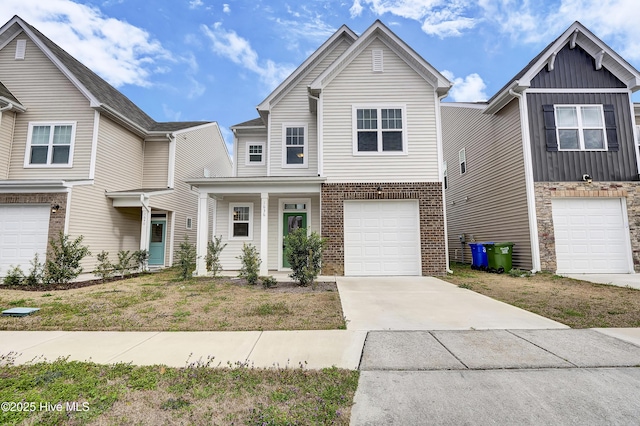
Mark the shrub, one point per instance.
(36, 273)
(14, 276)
(141, 257)
(63, 260)
(268, 282)
(304, 253)
(124, 263)
(250, 263)
(519, 273)
(104, 268)
(187, 256)
(212, 259)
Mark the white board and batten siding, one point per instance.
(591, 235)
(51, 99)
(398, 84)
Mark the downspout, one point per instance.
(441, 177)
(529, 184)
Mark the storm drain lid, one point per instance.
(19, 312)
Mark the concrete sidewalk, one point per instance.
(313, 349)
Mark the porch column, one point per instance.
(202, 235)
(264, 233)
(145, 225)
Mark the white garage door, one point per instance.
(24, 231)
(591, 235)
(381, 238)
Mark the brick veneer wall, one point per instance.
(429, 196)
(546, 191)
(56, 220)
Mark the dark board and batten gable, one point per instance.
(576, 69)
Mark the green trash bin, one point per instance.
(499, 256)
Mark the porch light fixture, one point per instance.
(55, 208)
(379, 190)
(587, 178)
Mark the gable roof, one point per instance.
(395, 43)
(102, 95)
(8, 101)
(576, 34)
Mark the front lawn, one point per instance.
(159, 302)
(78, 393)
(576, 303)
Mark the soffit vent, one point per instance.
(377, 62)
(21, 48)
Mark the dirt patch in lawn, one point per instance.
(158, 302)
(576, 303)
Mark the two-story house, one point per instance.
(550, 162)
(77, 156)
(349, 146)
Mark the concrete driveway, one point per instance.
(427, 303)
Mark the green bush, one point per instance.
(36, 273)
(268, 282)
(14, 276)
(63, 260)
(141, 257)
(250, 263)
(124, 263)
(104, 268)
(212, 259)
(187, 256)
(304, 253)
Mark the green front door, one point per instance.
(156, 243)
(291, 222)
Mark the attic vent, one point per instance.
(21, 47)
(376, 57)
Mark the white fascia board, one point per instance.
(48, 186)
(505, 97)
(231, 186)
(473, 105)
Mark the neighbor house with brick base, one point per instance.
(78, 157)
(550, 162)
(349, 146)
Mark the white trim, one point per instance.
(635, 129)
(269, 142)
(442, 170)
(234, 160)
(580, 90)
(247, 155)
(67, 215)
(379, 129)
(281, 212)
(171, 166)
(188, 223)
(305, 146)
(51, 124)
(320, 121)
(214, 217)
(625, 221)
(202, 234)
(580, 127)
(173, 237)
(250, 221)
(462, 158)
(264, 233)
(481, 105)
(94, 144)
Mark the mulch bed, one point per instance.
(68, 286)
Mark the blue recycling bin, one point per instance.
(479, 258)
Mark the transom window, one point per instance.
(240, 221)
(255, 153)
(580, 127)
(50, 144)
(379, 130)
(295, 148)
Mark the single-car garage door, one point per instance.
(591, 235)
(24, 231)
(381, 238)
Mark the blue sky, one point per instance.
(183, 60)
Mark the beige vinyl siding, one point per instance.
(228, 257)
(399, 84)
(244, 137)
(7, 120)
(489, 201)
(49, 97)
(118, 168)
(156, 164)
(293, 109)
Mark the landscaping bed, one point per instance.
(576, 303)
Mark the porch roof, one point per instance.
(260, 184)
(135, 197)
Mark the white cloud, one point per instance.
(119, 52)
(468, 89)
(194, 4)
(226, 8)
(356, 9)
(228, 44)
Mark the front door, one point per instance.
(291, 222)
(157, 241)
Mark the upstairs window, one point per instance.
(50, 144)
(445, 175)
(462, 157)
(255, 154)
(580, 128)
(379, 130)
(295, 147)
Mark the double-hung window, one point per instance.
(580, 127)
(255, 154)
(50, 144)
(295, 145)
(240, 221)
(379, 130)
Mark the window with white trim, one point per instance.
(240, 222)
(295, 146)
(445, 175)
(379, 130)
(189, 223)
(255, 154)
(50, 144)
(580, 128)
(462, 157)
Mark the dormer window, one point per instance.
(50, 144)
